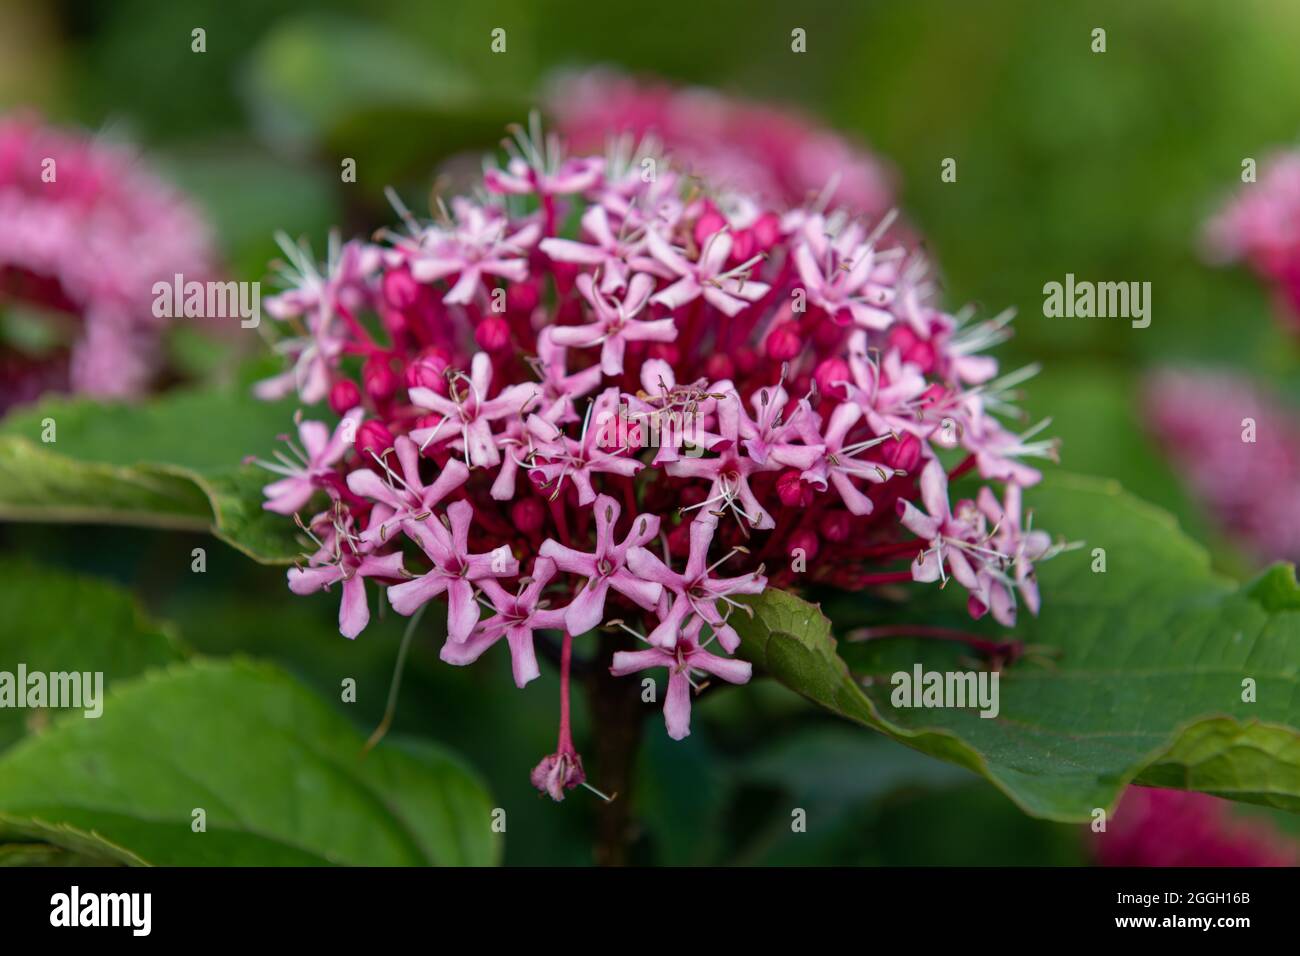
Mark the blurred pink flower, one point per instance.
(777, 155)
(1249, 487)
(87, 231)
(1155, 827)
(1261, 225)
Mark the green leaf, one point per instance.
(280, 776)
(58, 622)
(174, 462)
(1146, 687)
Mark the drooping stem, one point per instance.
(565, 745)
(616, 715)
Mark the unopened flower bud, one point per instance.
(901, 455)
(378, 377)
(793, 491)
(373, 439)
(784, 342)
(828, 373)
(344, 396)
(427, 372)
(400, 288)
(492, 334)
(708, 224)
(804, 543)
(834, 526)
(527, 515)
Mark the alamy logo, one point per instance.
(1103, 300)
(103, 909)
(957, 689)
(208, 300)
(54, 689)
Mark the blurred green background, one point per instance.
(1103, 165)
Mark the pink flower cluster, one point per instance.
(1240, 450)
(1261, 225)
(636, 419)
(1156, 827)
(775, 155)
(87, 232)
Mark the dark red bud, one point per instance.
(400, 288)
(834, 526)
(527, 514)
(783, 342)
(793, 491)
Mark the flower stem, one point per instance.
(616, 717)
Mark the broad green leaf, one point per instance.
(174, 462)
(1146, 683)
(59, 622)
(280, 776)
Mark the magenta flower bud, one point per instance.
(523, 296)
(427, 372)
(344, 396)
(793, 492)
(709, 223)
(834, 526)
(557, 773)
(902, 455)
(373, 439)
(380, 382)
(784, 342)
(492, 334)
(528, 514)
(400, 289)
(804, 540)
(829, 372)
(767, 230)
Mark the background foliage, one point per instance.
(1100, 165)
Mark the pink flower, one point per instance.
(557, 457)
(1262, 226)
(467, 413)
(88, 232)
(606, 567)
(953, 539)
(776, 154)
(1248, 487)
(838, 465)
(478, 245)
(730, 471)
(455, 571)
(341, 557)
(1020, 547)
(694, 592)
(843, 277)
(729, 291)
(685, 660)
(615, 324)
(404, 497)
(517, 616)
(319, 453)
